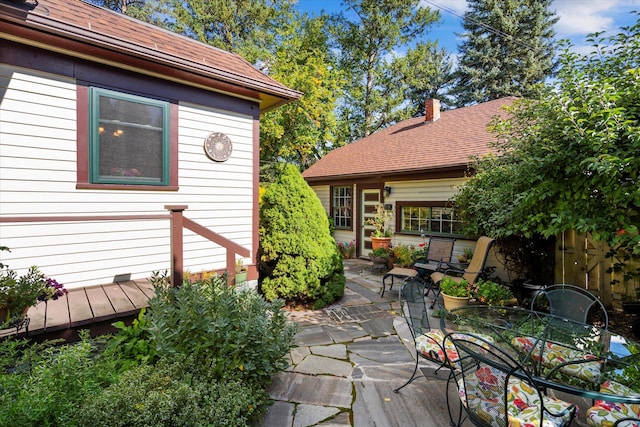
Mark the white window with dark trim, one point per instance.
(417, 218)
(129, 141)
(342, 199)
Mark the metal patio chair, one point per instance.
(438, 253)
(495, 390)
(570, 302)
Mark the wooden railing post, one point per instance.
(177, 222)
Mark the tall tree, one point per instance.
(302, 132)
(373, 99)
(425, 72)
(509, 49)
(241, 26)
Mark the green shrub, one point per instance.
(298, 258)
(132, 345)
(45, 384)
(174, 392)
(234, 332)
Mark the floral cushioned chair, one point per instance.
(558, 357)
(429, 343)
(496, 391)
(613, 414)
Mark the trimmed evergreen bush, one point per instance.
(299, 259)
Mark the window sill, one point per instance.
(89, 186)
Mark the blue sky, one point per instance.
(577, 18)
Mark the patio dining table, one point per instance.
(560, 354)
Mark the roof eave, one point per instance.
(56, 36)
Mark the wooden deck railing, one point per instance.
(177, 223)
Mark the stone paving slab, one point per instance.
(350, 357)
(323, 390)
(346, 332)
(319, 365)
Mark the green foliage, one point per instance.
(367, 37)
(511, 60)
(404, 255)
(382, 222)
(299, 259)
(455, 289)
(492, 293)
(232, 332)
(175, 392)
(303, 131)
(45, 385)
(17, 293)
(380, 253)
(132, 345)
(571, 159)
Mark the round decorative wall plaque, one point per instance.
(218, 146)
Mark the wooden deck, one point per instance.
(87, 308)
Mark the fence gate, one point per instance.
(581, 261)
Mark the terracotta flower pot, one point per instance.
(380, 242)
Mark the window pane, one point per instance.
(428, 220)
(342, 207)
(131, 140)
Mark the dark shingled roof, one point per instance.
(114, 38)
(415, 145)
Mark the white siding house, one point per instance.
(50, 62)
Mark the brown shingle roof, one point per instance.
(53, 24)
(414, 145)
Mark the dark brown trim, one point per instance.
(91, 74)
(456, 171)
(420, 204)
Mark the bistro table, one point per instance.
(560, 354)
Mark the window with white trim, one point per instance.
(342, 207)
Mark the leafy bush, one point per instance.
(132, 345)
(234, 332)
(299, 259)
(178, 391)
(44, 385)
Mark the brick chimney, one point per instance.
(432, 110)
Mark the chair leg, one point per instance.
(413, 376)
(460, 409)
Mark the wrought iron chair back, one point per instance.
(496, 391)
(571, 302)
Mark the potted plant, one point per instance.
(455, 291)
(403, 255)
(381, 235)
(379, 258)
(18, 293)
(465, 256)
(241, 272)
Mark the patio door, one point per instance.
(369, 201)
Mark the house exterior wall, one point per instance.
(38, 177)
(419, 190)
